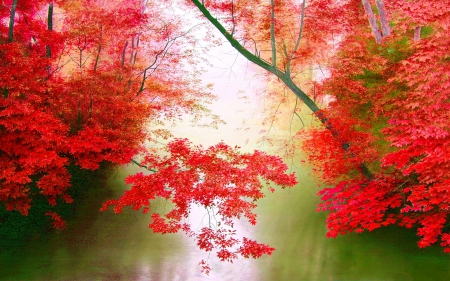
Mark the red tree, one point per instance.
(393, 96)
(80, 86)
(82, 81)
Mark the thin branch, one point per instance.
(97, 57)
(299, 38)
(272, 33)
(295, 107)
(142, 166)
(273, 119)
(159, 57)
(232, 17)
(81, 63)
(132, 50)
(123, 53)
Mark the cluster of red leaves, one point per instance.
(220, 179)
(358, 205)
(393, 101)
(337, 154)
(31, 137)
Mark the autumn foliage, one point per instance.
(392, 99)
(83, 82)
(220, 179)
(80, 81)
(382, 144)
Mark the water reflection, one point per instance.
(304, 253)
(106, 246)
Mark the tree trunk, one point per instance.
(385, 27)
(11, 21)
(417, 31)
(372, 21)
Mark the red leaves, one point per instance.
(159, 225)
(57, 222)
(220, 179)
(358, 205)
(205, 267)
(253, 249)
(91, 97)
(432, 226)
(390, 104)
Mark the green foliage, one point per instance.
(426, 31)
(396, 50)
(371, 78)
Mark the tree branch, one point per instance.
(142, 166)
(385, 28)
(299, 38)
(284, 77)
(257, 60)
(272, 33)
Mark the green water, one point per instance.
(105, 246)
(304, 253)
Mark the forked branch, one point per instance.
(283, 76)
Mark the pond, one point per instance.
(106, 246)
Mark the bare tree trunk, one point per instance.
(372, 21)
(11, 21)
(385, 28)
(417, 31)
(48, 51)
(49, 27)
(10, 35)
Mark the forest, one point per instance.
(87, 83)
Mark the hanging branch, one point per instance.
(283, 76)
